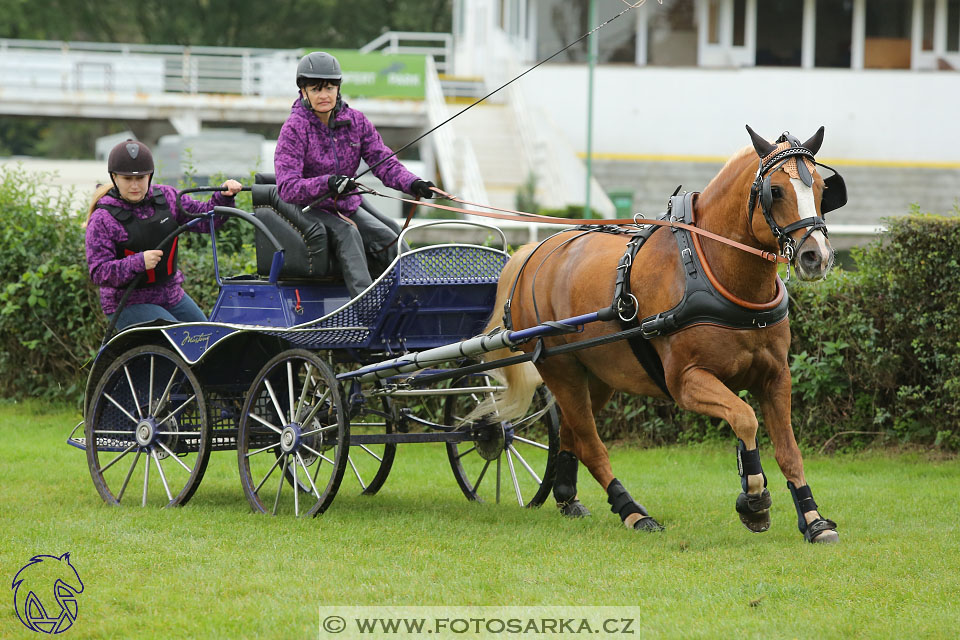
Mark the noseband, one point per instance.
(761, 189)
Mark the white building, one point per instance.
(675, 83)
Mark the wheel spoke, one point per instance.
(174, 456)
(146, 479)
(296, 483)
(133, 392)
(363, 486)
(499, 458)
(266, 448)
(532, 443)
(150, 389)
(326, 428)
(118, 406)
(283, 475)
(292, 407)
(307, 382)
(110, 464)
(471, 449)
(317, 453)
(320, 402)
(165, 396)
(372, 453)
(476, 485)
(127, 479)
(275, 463)
(178, 409)
(525, 465)
(307, 473)
(264, 422)
(163, 478)
(273, 396)
(513, 476)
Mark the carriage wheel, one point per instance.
(370, 464)
(146, 431)
(293, 435)
(509, 460)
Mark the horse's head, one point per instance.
(793, 197)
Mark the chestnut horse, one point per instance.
(705, 363)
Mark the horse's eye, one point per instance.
(776, 192)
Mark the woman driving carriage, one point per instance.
(318, 152)
(126, 221)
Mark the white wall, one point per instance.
(871, 115)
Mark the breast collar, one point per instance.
(702, 302)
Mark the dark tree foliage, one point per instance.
(227, 23)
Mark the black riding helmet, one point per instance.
(318, 66)
(130, 158)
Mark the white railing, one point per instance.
(456, 158)
(136, 68)
(441, 48)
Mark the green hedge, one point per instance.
(875, 355)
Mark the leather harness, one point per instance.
(701, 303)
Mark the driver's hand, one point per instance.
(231, 188)
(152, 258)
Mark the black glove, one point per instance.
(341, 184)
(423, 189)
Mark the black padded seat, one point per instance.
(307, 251)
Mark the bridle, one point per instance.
(761, 189)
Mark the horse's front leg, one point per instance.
(574, 390)
(775, 405)
(701, 391)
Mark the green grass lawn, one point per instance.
(214, 569)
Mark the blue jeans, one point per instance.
(184, 311)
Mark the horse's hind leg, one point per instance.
(574, 391)
(775, 405)
(701, 391)
(565, 485)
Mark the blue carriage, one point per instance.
(270, 376)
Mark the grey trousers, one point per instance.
(352, 243)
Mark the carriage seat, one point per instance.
(307, 251)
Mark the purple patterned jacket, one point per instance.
(105, 234)
(309, 152)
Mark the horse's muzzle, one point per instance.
(814, 258)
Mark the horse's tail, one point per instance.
(520, 381)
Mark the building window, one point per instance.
(779, 33)
(560, 22)
(929, 7)
(953, 25)
(671, 34)
(739, 22)
(834, 26)
(713, 21)
(887, 38)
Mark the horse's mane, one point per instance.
(731, 170)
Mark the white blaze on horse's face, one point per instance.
(815, 256)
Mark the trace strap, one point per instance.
(520, 216)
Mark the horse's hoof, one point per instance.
(573, 509)
(647, 523)
(754, 510)
(822, 531)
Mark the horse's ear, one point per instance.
(762, 147)
(813, 144)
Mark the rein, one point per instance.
(520, 216)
